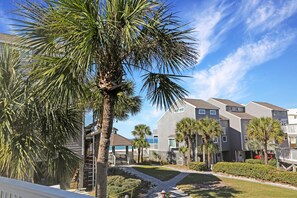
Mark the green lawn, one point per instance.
(202, 185)
(158, 172)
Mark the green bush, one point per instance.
(256, 171)
(198, 166)
(254, 161)
(119, 186)
(272, 162)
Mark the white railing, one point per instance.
(287, 154)
(290, 129)
(19, 189)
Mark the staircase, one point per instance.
(89, 172)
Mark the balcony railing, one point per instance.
(290, 129)
(19, 189)
(287, 155)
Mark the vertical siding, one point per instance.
(167, 124)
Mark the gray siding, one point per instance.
(167, 124)
(207, 114)
(257, 110)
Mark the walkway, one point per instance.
(168, 186)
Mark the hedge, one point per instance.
(257, 171)
(198, 166)
(254, 161)
(271, 162)
(119, 186)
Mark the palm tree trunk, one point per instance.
(189, 151)
(138, 155)
(102, 160)
(203, 153)
(208, 159)
(196, 147)
(265, 153)
(141, 154)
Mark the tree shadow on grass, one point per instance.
(206, 185)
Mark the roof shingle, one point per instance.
(198, 103)
(271, 106)
(228, 102)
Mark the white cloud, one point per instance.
(226, 78)
(270, 14)
(215, 20)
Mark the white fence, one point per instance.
(11, 188)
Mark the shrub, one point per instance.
(257, 171)
(272, 162)
(119, 186)
(254, 161)
(198, 166)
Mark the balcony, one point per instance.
(19, 189)
(287, 155)
(290, 129)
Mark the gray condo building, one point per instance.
(233, 118)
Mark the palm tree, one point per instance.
(185, 129)
(183, 150)
(108, 40)
(208, 129)
(137, 143)
(265, 130)
(140, 132)
(32, 130)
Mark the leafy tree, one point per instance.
(265, 130)
(108, 40)
(140, 132)
(32, 131)
(185, 130)
(208, 128)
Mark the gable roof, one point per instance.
(271, 106)
(228, 102)
(198, 103)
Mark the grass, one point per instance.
(159, 172)
(203, 185)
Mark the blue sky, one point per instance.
(248, 52)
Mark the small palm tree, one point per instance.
(137, 143)
(141, 131)
(183, 150)
(185, 130)
(108, 40)
(265, 130)
(208, 129)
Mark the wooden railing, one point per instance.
(11, 188)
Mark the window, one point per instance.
(295, 116)
(172, 143)
(201, 111)
(240, 109)
(224, 138)
(215, 140)
(178, 110)
(213, 112)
